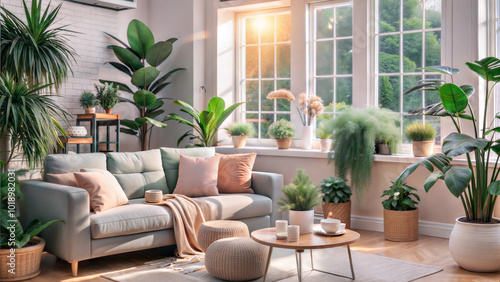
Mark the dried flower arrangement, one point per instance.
(308, 108)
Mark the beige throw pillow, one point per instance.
(197, 176)
(67, 179)
(104, 190)
(235, 173)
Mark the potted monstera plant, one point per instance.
(475, 239)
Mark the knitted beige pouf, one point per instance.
(236, 259)
(212, 231)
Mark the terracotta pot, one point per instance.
(108, 111)
(476, 246)
(422, 148)
(304, 219)
(401, 226)
(90, 110)
(27, 261)
(341, 211)
(239, 141)
(284, 143)
(326, 144)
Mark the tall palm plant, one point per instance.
(34, 49)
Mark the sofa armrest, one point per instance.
(269, 185)
(47, 201)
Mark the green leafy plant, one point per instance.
(475, 185)
(300, 195)
(335, 190)
(241, 129)
(401, 197)
(385, 127)
(107, 95)
(30, 118)
(88, 100)
(324, 130)
(32, 49)
(281, 129)
(142, 49)
(9, 195)
(206, 123)
(419, 131)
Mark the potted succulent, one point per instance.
(89, 101)
(422, 138)
(400, 213)
(25, 246)
(283, 131)
(300, 197)
(336, 199)
(475, 238)
(239, 133)
(324, 133)
(108, 96)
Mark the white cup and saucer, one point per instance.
(330, 227)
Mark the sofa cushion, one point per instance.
(234, 206)
(197, 176)
(130, 219)
(62, 163)
(235, 173)
(170, 160)
(137, 172)
(67, 179)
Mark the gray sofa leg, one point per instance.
(74, 268)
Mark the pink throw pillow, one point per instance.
(235, 173)
(197, 176)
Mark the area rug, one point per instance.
(283, 268)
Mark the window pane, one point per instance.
(432, 97)
(283, 116)
(266, 29)
(283, 28)
(254, 119)
(389, 92)
(266, 87)
(408, 120)
(433, 48)
(412, 51)
(344, 56)
(324, 89)
(252, 96)
(412, 14)
(283, 60)
(251, 31)
(324, 23)
(436, 123)
(343, 21)
(413, 100)
(344, 90)
(324, 58)
(265, 122)
(389, 15)
(388, 57)
(267, 61)
(283, 105)
(252, 62)
(433, 13)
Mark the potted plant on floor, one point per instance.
(337, 199)
(108, 96)
(89, 101)
(324, 133)
(300, 197)
(422, 138)
(475, 238)
(400, 213)
(239, 133)
(282, 131)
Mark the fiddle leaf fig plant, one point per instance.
(147, 79)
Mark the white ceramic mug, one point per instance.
(341, 228)
(293, 233)
(281, 229)
(330, 225)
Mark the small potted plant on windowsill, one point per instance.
(400, 213)
(300, 197)
(337, 199)
(239, 133)
(89, 101)
(107, 95)
(422, 138)
(283, 131)
(324, 133)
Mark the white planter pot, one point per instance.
(326, 144)
(307, 137)
(76, 131)
(304, 219)
(476, 247)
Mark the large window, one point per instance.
(264, 53)
(407, 38)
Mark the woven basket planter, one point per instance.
(341, 211)
(27, 261)
(401, 226)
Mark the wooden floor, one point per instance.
(427, 250)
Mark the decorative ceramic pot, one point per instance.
(304, 219)
(422, 148)
(383, 149)
(401, 226)
(239, 141)
(341, 211)
(108, 111)
(27, 261)
(326, 144)
(476, 246)
(284, 143)
(90, 110)
(307, 137)
(76, 131)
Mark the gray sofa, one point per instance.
(136, 226)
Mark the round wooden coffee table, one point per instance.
(267, 236)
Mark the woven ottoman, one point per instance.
(236, 259)
(214, 230)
